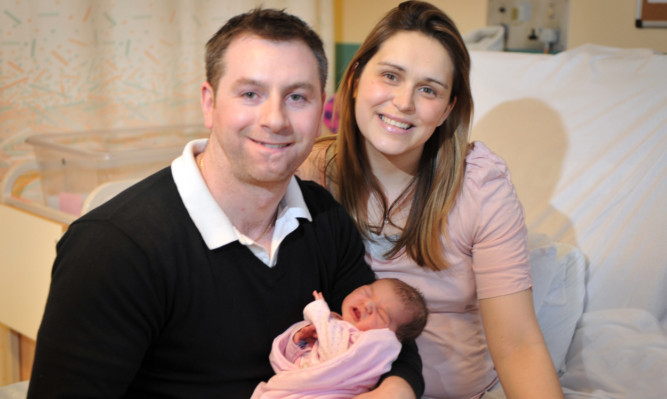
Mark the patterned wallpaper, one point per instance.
(80, 65)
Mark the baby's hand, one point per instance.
(318, 295)
(307, 334)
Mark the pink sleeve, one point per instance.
(500, 258)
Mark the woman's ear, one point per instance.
(448, 110)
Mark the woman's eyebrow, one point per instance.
(427, 79)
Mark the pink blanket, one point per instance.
(353, 372)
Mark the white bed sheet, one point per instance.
(584, 133)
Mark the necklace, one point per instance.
(271, 224)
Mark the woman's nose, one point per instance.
(403, 99)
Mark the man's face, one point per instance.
(267, 111)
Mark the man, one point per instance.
(177, 286)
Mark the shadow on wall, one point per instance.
(531, 138)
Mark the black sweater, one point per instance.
(139, 307)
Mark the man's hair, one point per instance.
(269, 24)
(413, 301)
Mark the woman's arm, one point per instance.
(517, 347)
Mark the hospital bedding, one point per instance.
(584, 133)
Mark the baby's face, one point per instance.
(374, 306)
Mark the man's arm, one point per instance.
(405, 379)
(99, 316)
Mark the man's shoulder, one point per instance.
(145, 198)
(318, 199)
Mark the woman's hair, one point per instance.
(413, 301)
(276, 25)
(440, 172)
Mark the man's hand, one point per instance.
(391, 387)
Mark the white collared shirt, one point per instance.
(214, 226)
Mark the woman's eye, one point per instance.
(390, 76)
(428, 90)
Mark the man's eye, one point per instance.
(296, 97)
(250, 94)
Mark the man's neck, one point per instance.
(251, 207)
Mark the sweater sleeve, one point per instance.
(102, 311)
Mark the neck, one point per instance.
(394, 172)
(251, 208)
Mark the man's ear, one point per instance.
(207, 104)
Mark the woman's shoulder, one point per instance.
(313, 168)
(483, 165)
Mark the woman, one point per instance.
(435, 210)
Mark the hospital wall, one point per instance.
(601, 22)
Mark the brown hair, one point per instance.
(439, 177)
(413, 302)
(269, 24)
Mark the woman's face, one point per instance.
(402, 95)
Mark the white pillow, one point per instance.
(559, 287)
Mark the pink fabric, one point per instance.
(334, 337)
(488, 258)
(345, 376)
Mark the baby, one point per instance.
(331, 355)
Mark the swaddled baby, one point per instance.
(331, 355)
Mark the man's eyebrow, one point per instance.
(294, 86)
(301, 85)
(247, 82)
(401, 69)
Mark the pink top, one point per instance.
(488, 258)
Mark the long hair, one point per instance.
(442, 165)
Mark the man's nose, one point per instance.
(273, 115)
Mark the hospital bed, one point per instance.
(584, 133)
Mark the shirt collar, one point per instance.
(212, 223)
